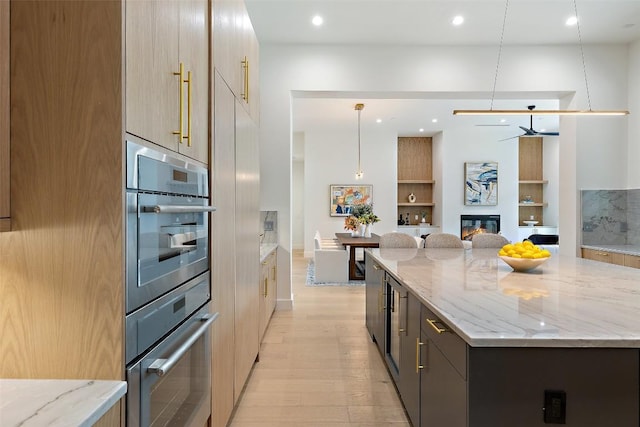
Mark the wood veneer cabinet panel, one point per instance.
(632, 261)
(112, 418)
(62, 311)
(223, 253)
(603, 256)
(5, 196)
(415, 176)
(530, 176)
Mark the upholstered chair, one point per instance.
(488, 240)
(397, 240)
(443, 240)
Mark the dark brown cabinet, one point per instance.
(410, 362)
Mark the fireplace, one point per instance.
(471, 225)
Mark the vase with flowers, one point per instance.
(352, 224)
(365, 216)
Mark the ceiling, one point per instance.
(428, 22)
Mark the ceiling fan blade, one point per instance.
(549, 133)
(507, 139)
(528, 132)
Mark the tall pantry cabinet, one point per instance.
(5, 196)
(235, 226)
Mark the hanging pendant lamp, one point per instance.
(359, 108)
(588, 112)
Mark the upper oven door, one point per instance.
(167, 244)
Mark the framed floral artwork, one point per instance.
(342, 198)
(481, 183)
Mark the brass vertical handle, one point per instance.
(188, 82)
(273, 273)
(245, 67)
(266, 287)
(180, 75)
(418, 345)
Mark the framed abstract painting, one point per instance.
(342, 198)
(481, 183)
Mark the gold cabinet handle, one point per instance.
(273, 273)
(245, 67)
(376, 267)
(188, 135)
(418, 365)
(180, 75)
(602, 254)
(266, 287)
(438, 329)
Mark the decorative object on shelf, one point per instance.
(527, 199)
(359, 108)
(400, 220)
(481, 183)
(424, 217)
(530, 223)
(412, 198)
(343, 198)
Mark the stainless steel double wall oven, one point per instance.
(168, 290)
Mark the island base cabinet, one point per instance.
(443, 392)
(506, 386)
(375, 301)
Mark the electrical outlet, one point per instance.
(555, 407)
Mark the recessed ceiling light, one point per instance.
(571, 21)
(378, 120)
(434, 120)
(503, 120)
(317, 20)
(421, 130)
(457, 20)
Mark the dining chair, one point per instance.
(442, 240)
(397, 240)
(488, 240)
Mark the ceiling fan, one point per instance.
(530, 131)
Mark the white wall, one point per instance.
(634, 122)
(331, 158)
(600, 145)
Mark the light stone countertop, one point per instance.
(622, 249)
(266, 249)
(566, 302)
(67, 403)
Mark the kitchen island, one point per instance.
(470, 342)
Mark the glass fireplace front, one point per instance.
(471, 225)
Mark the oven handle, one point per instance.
(162, 366)
(177, 209)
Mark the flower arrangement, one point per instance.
(351, 223)
(369, 218)
(362, 214)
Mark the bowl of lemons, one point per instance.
(523, 256)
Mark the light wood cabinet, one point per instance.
(530, 180)
(415, 177)
(268, 289)
(236, 53)
(5, 171)
(167, 68)
(611, 257)
(235, 250)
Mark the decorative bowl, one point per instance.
(523, 264)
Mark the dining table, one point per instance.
(356, 271)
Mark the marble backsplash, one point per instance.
(268, 227)
(611, 217)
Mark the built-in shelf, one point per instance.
(416, 181)
(533, 181)
(416, 204)
(533, 204)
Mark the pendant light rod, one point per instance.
(359, 108)
(588, 112)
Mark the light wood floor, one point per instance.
(318, 366)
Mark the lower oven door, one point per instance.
(171, 384)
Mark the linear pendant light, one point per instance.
(359, 108)
(588, 112)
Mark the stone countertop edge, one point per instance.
(621, 249)
(464, 315)
(266, 249)
(68, 403)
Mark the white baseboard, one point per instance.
(284, 304)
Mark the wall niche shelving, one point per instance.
(415, 176)
(531, 202)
